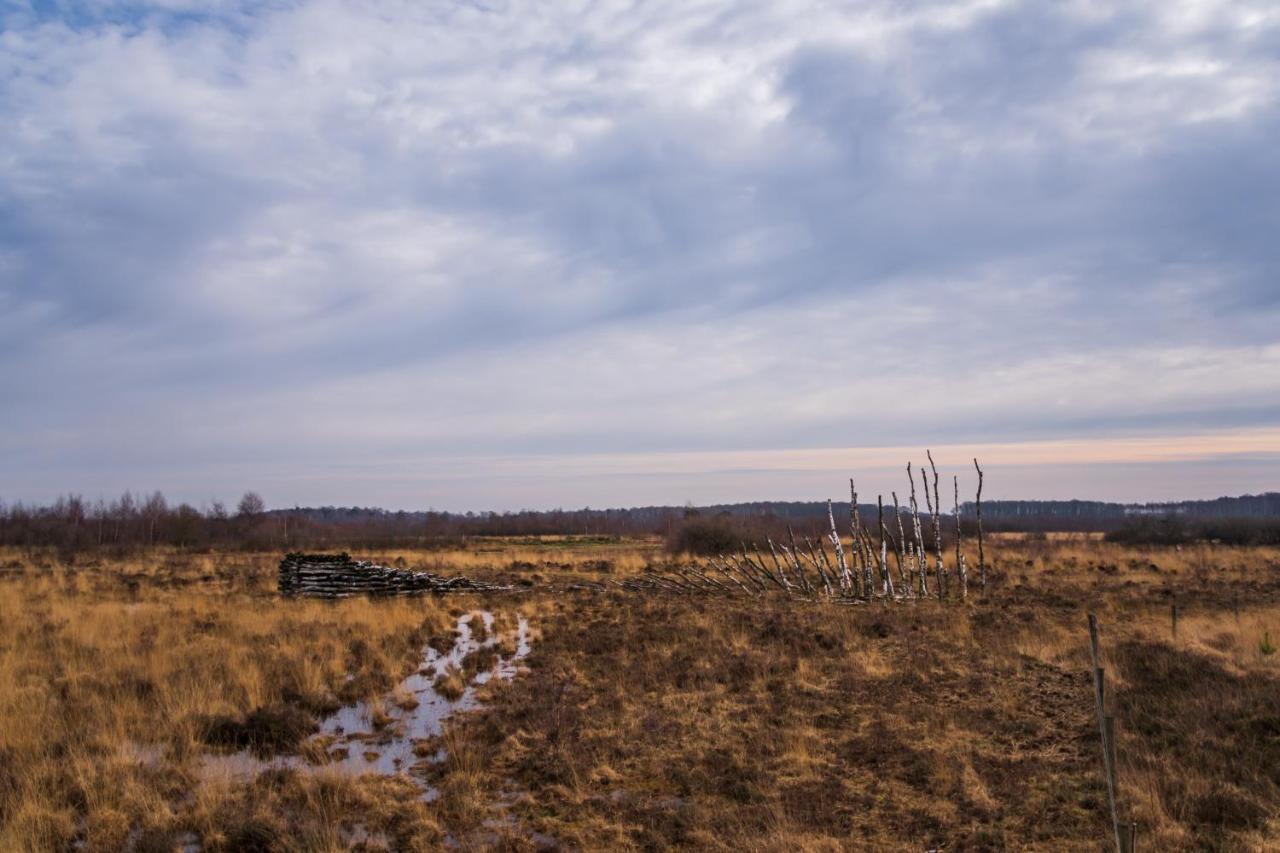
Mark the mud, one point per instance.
(387, 738)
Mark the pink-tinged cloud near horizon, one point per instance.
(498, 256)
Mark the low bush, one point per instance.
(1181, 530)
(706, 536)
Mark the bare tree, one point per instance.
(153, 509)
(250, 506)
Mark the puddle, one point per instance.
(360, 745)
(360, 834)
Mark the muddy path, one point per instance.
(399, 732)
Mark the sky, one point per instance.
(494, 255)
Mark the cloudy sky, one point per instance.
(502, 254)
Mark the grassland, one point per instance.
(646, 722)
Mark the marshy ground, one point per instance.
(632, 721)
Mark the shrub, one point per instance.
(705, 536)
(1181, 530)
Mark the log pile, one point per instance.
(339, 576)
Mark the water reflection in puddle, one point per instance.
(360, 745)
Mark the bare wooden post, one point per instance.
(751, 570)
(718, 566)
(921, 573)
(937, 536)
(961, 571)
(795, 558)
(855, 521)
(977, 508)
(782, 573)
(1106, 728)
(782, 582)
(846, 580)
(818, 564)
(900, 547)
(885, 578)
(937, 529)
(745, 568)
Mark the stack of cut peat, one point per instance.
(339, 576)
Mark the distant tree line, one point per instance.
(132, 521)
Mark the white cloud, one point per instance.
(679, 226)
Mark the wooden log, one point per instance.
(337, 575)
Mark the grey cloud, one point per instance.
(214, 209)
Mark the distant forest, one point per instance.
(74, 523)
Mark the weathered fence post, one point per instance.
(977, 508)
(1106, 728)
(885, 578)
(918, 533)
(961, 571)
(846, 579)
(900, 548)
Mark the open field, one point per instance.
(135, 690)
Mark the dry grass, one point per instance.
(651, 722)
(109, 694)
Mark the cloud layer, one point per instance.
(294, 246)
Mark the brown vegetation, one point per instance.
(646, 722)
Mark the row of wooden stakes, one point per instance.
(862, 574)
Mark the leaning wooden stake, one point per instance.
(812, 557)
(977, 509)
(859, 542)
(885, 578)
(780, 581)
(760, 573)
(720, 567)
(795, 559)
(934, 512)
(846, 579)
(1106, 728)
(961, 572)
(900, 546)
(937, 530)
(782, 573)
(922, 573)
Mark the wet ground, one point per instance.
(397, 734)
